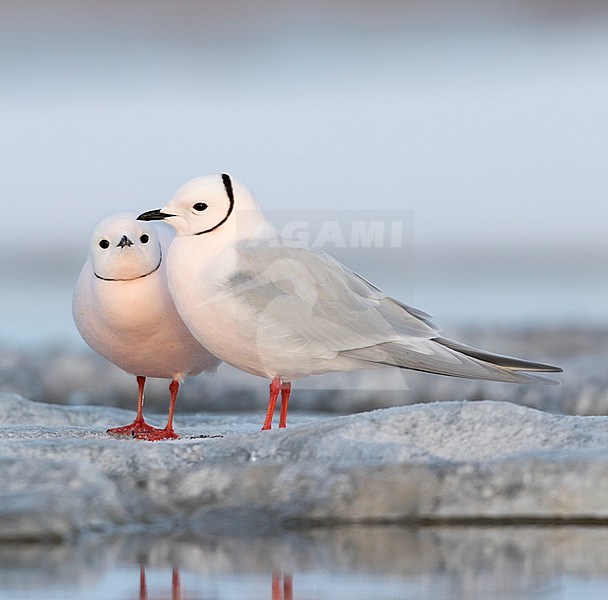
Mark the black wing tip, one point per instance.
(552, 369)
(499, 360)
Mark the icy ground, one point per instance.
(63, 475)
(498, 459)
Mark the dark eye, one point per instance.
(104, 244)
(200, 206)
(144, 238)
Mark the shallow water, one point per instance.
(357, 562)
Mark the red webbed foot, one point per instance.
(157, 435)
(138, 426)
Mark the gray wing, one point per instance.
(307, 299)
(316, 297)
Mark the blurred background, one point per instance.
(484, 126)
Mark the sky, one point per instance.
(485, 124)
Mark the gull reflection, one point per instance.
(143, 586)
(282, 586)
(281, 589)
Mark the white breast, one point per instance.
(218, 321)
(134, 324)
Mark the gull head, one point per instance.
(213, 204)
(123, 248)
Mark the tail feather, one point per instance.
(446, 357)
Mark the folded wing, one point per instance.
(307, 300)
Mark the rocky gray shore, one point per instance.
(454, 461)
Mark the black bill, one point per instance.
(153, 215)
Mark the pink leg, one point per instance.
(275, 387)
(175, 585)
(285, 391)
(143, 592)
(276, 586)
(154, 435)
(139, 425)
(287, 586)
